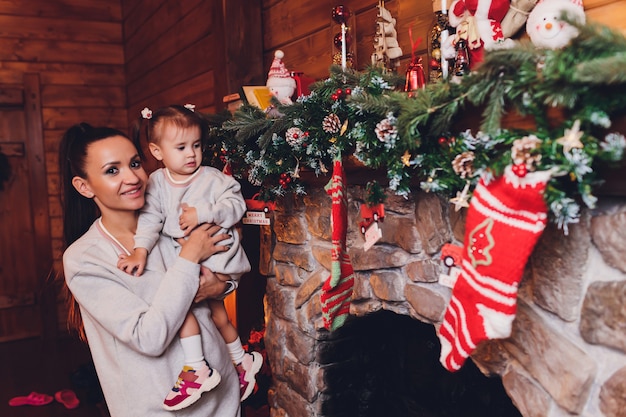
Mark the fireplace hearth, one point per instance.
(385, 364)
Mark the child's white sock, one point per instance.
(192, 349)
(236, 351)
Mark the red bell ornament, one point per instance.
(415, 77)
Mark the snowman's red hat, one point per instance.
(278, 67)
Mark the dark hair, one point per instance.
(79, 212)
(176, 115)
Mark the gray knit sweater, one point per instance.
(217, 198)
(132, 323)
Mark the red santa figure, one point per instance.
(478, 22)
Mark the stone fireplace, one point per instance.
(567, 352)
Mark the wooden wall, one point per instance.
(192, 51)
(177, 52)
(75, 47)
(101, 61)
(304, 29)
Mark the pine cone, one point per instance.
(463, 164)
(526, 151)
(331, 123)
(385, 130)
(294, 136)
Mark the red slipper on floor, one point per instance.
(34, 398)
(67, 397)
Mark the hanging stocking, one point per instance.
(337, 289)
(504, 220)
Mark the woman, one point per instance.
(130, 322)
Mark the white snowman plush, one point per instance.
(280, 82)
(545, 27)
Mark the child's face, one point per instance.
(179, 149)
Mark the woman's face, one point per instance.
(115, 178)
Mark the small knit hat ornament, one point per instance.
(279, 80)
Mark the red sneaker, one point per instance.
(189, 387)
(247, 369)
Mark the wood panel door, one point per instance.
(25, 254)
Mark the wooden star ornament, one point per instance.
(462, 198)
(571, 138)
(406, 158)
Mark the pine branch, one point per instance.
(494, 109)
(249, 122)
(378, 104)
(277, 127)
(602, 71)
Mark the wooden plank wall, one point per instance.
(92, 54)
(176, 51)
(170, 50)
(76, 48)
(179, 52)
(304, 29)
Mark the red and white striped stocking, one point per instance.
(504, 220)
(337, 289)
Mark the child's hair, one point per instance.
(79, 212)
(176, 115)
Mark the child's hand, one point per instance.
(188, 220)
(134, 263)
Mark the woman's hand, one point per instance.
(202, 243)
(210, 285)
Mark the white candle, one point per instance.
(343, 46)
(444, 36)
(444, 62)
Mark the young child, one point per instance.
(180, 196)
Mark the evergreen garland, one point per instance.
(410, 136)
